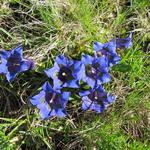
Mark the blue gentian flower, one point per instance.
(14, 63)
(108, 50)
(64, 72)
(95, 70)
(96, 99)
(51, 102)
(124, 42)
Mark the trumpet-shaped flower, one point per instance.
(50, 102)
(96, 99)
(124, 42)
(14, 63)
(95, 70)
(64, 72)
(108, 50)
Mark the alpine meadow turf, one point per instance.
(47, 28)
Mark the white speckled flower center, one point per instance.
(63, 74)
(52, 98)
(93, 70)
(96, 97)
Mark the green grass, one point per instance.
(49, 28)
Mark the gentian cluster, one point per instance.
(91, 71)
(12, 63)
(73, 75)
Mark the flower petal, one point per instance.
(87, 59)
(10, 76)
(52, 73)
(124, 42)
(97, 46)
(57, 84)
(37, 99)
(47, 87)
(84, 93)
(3, 68)
(44, 110)
(115, 59)
(111, 98)
(60, 113)
(91, 82)
(103, 62)
(86, 103)
(71, 84)
(62, 60)
(79, 71)
(25, 65)
(105, 78)
(18, 51)
(5, 54)
(65, 95)
(111, 46)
